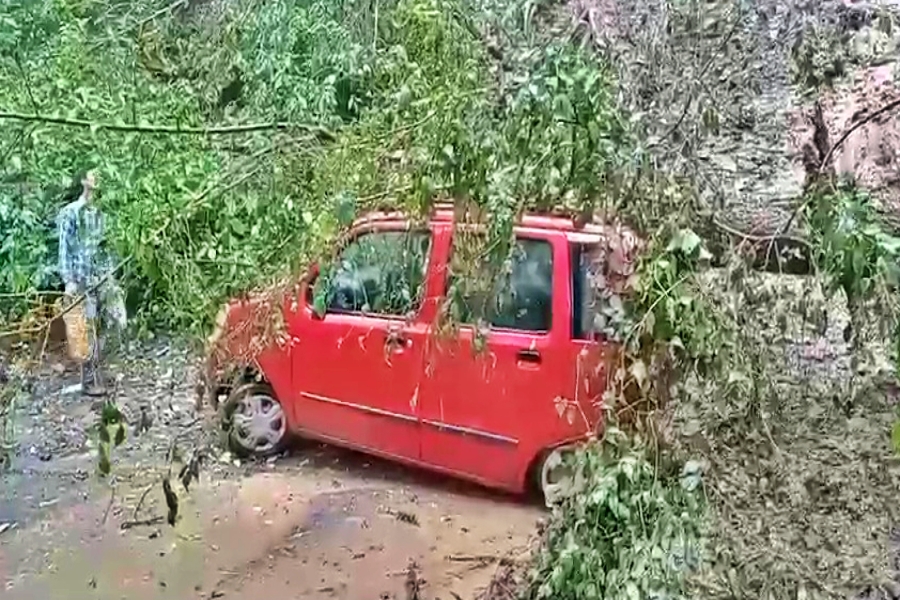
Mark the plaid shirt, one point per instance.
(81, 231)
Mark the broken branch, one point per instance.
(320, 132)
(140, 503)
(141, 523)
(871, 117)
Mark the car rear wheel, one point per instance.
(254, 421)
(556, 475)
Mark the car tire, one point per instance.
(254, 421)
(553, 476)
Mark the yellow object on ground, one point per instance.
(77, 332)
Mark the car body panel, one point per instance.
(495, 407)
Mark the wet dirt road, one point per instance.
(322, 524)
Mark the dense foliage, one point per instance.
(417, 106)
(632, 530)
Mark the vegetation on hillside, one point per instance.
(235, 138)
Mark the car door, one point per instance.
(487, 389)
(357, 367)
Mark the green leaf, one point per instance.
(110, 414)
(632, 592)
(638, 370)
(120, 434)
(104, 434)
(104, 465)
(686, 240)
(238, 226)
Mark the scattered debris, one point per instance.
(140, 503)
(69, 390)
(145, 421)
(141, 523)
(406, 517)
(402, 516)
(190, 471)
(112, 498)
(171, 502)
(507, 583)
(68, 429)
(482, 558)
(413, 584)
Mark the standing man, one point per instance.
(87, 273)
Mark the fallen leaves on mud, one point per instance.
(508, 582)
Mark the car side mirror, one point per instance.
(318, 303)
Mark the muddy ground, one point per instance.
(319, 523)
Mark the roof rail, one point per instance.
(577, 216)
(443, 205)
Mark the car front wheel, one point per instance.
(556, 475)
(254, 421)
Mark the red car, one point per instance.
(367, 364)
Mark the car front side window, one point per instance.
(378, 273)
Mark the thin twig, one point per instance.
(758, 238)
(886, 108)
(112, 497)
(319, 131)
(15, 142)
(31, 294)
(44, 347)
(25, 80)
(140, 503)
(472, 558)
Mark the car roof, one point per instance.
(559, 220)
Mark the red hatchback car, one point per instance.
(497, 399)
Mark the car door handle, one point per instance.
(396, 337)
(528, 355)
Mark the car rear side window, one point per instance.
(583, 304)
(515, 295)
(595, 309)
(381, 272)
